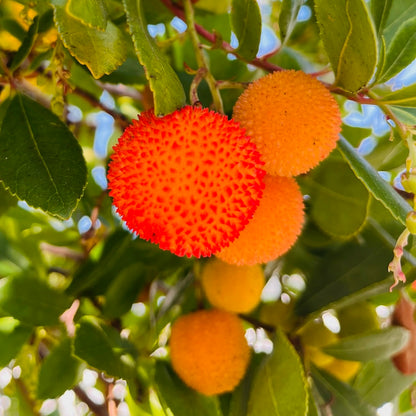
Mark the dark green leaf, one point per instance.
(130, 73)
(371, 345)
(351, 268)
(92, 13)
(350, 41)
(181, 399)
(345, 401)
(246, 24)
(12, 337)
(124, 289)
(405, 97)
(379, 188)
(401, 51)
(379, 382)
(287, 18)
(26, 45)
(95, 345)
(280, 386)
(167, 90)
(41, 162)
(59, 371)
(380, 10)
(340, 202)
(101, 51)
(31, 300)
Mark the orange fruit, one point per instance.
(209, 351)
(275, 226)
(293, 119)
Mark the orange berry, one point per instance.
(293, 119)
(209, 351)
(232, 288)
(189, 181)
(275, 226)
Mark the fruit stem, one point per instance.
(395, 265)
(201, 58)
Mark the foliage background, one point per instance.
(85, 309)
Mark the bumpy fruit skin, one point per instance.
(189, 181)
(209, 351)
(232, 288)
(274, 228)
(293, 119)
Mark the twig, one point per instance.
(111, 402)
(257, 323)
(212, 38)
(395, 265)
(200, 57)
(118, 117)
(68, 317)
(97, 409)
(64, 252)
(121, 90)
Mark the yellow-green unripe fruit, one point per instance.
(232, 288)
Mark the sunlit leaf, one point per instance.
(280, 386)
(400, 11)
(92, 13)
(41, 162)
(246, 24)
(101, 51)
(167, 90)
(350, 41)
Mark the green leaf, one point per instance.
(12, 337)
(7, 200)
(380, 10)
(101, 51)
(124, 289)
(355, 134)
(350, 41)
(31, 300)
(345, 401)
(41, 162)
(405, 97)
(401, 51)
(400, 11)
(405, 115)
(59, 371)
(340, 202)
(371, 345)
(181, 399)
(379, 188)
(26, 45)
(246, 24)
(92, 13)
(288, 17)
(280, 386)
(94, 345)
(379, 382)
(355, 267)
(167, 90)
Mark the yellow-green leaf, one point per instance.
(350, 41)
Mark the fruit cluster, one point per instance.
(199, 184)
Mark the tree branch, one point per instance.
(97, 409)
